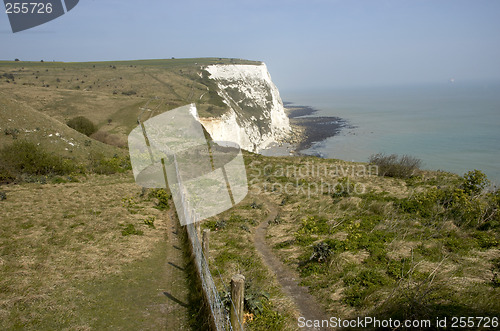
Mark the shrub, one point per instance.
(343, 188)
(486, 240)
(394, 165)
(314, 225)
(215, 225)
(473, 182)
(163, 198)
(425, 204)
(131, 230)
(361, 286)
(5, 175)
(8, 76)
(268, 320)
(11, 132)
(322, 252)
(254, 298)
(82, 125)
(24, 157)
(3, 196)
(104, 165)
(398, 269)
(150, 221)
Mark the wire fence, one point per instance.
(219, 314)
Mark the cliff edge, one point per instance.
(255, 117)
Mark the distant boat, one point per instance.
(452, 80)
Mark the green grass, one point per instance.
(232, 251)
(64, 262)
(386, 240)
(411, 247)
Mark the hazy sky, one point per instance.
(306, 44)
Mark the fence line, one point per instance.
(220, 316)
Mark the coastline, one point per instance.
(306, 130)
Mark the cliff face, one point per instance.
(256, 116)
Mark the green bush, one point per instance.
(163, 197)
(465, 210)
(215, 225)
(322, 252)
(23, 157)
(150, 221)
(398, 269)
(314, 225)
(304, 239)
(486, 240)
(82, 125)
(254, 298)
(362, 285)
(473, 182)
(424, 204)
(336, 246)
(343, 188)
(5, 175)
(108, 165)
(131, 230)
(395, 166)
(268, 320)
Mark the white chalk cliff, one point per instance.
(256, 117)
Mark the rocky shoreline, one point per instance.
(306, 130)
(311, 129)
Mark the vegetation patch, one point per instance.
(23, 157)
(82, 125)
(393, 165)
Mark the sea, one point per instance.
(451, 126)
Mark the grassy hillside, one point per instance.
(84, 255)
(37, 99)
(111, 93)
(81, 243)
(20, 121)
(420, 247)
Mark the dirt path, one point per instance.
(176, 290)
(289, 279)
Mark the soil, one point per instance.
(306, 304)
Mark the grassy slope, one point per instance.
(37, 99)
(49, 133)
(95, 89)
(64, 241)
(387, 262)
(60, 244)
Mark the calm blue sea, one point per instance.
(453, 127)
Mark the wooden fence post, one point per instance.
(197, 226)
(205, 243)
(237, 296)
